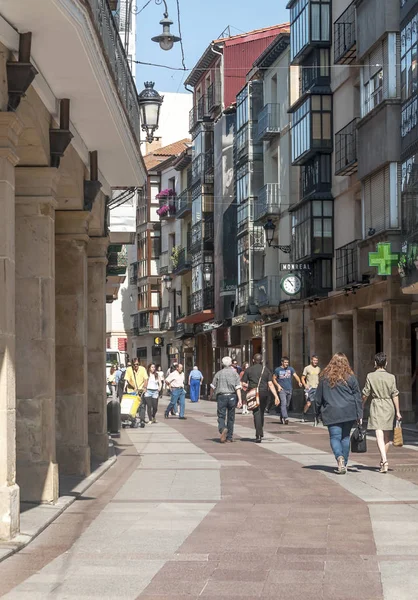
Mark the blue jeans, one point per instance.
(226, 404)
(339, 437)
(177, 395)
(285, 399)
(194, 389)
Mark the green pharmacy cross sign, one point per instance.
(384, 259)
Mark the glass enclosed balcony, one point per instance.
(311, 128)
(310, 26)
(268, 291)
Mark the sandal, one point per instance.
(384, 467)
(342, 469)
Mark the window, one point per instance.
(243, 180)
(409, 71)
(380, 200)
(316, 175)
(301, 231)
(312, 229)
(410, 196)
(322, 227)
(379, 75)
(310, 22)
(312, 127)
(373, 92)
(243, 260)
(316, 69)
(197, 210)
(242, 108)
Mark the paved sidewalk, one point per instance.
(182, 516)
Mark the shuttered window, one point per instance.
(380, 200)
(381, 73)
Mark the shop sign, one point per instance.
(240, 320)
(207, 327)
(295, 266)
(384, 259)
(188, 343)
(228, 288)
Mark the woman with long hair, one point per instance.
(338, 402)
(152, 393)
(160, 374)
(381, 388)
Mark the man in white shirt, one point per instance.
(175, 381)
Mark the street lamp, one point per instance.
(207, 273)
(270, 228)
(166, 39)
(168, 282)
(150, 103)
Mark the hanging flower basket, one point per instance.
(165, 194)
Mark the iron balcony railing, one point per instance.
(184, 262)
(166, 320)
(116, 58)
(268, 291)
(140, 324)
(345, 37)
(213, 97)
(268, 122)
(183, 204)
(269, 202)
(197, 113)
(346, 149)
(347, 264)
(208, 167)
(201, 300)
(246, 297)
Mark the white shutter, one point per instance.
(367, 213)
(378, 201)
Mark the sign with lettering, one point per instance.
(295, 266)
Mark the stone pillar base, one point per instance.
(99, 446)
(9, 512)
(38, 481)
(74, 460)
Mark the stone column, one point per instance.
(342, 336)
(364, 343)
(97, 398)
(10, 129)
(37, 471)
(73, 452)
(320, 340)
(397, 346)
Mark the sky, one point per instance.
(201, 22)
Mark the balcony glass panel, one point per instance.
(312, 128)
(410, 197)
(268, 291)
(310, 24)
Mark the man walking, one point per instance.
(175, 382)
(310, 380)
(259, 377)
(282, 379)
(120, 381)
(226, 386)
(136, 378)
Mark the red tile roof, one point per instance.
(153, 159)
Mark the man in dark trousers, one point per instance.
(259, 377)
(226, 386)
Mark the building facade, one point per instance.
(69, 135)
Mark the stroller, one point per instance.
(129, 408)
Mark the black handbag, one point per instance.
(358, 441)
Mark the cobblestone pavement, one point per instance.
(181, 516)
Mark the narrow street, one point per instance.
(182, 516)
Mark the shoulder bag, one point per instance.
(253, 396)
(358, 440)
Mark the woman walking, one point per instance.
(245, 410)
(195, 381)
(381, 388)
(160, 374)
(152, 393)
(338, 401)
